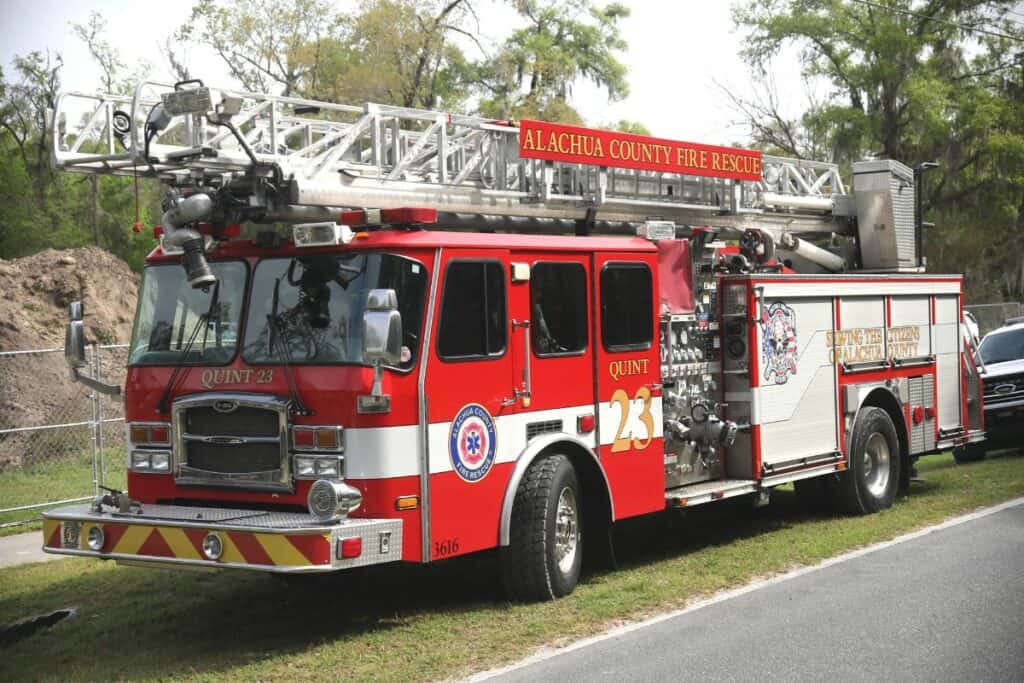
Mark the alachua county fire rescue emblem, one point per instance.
(472, 442)
(778, 345)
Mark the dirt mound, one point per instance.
(37, 290)
(35, 389)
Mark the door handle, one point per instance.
(524, 391)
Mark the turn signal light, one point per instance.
(143, 434)
(318, 438)
(407, 502)
(350, 547)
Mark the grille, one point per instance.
(232, 440)
(537, 428)
(1003, 389)
(234, 459)
(242, 421)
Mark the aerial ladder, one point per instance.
(229, 157)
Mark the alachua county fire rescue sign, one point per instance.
(472, 442)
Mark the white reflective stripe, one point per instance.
(511, 434)
(388, 452)
(382, 452)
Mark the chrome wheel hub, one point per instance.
(567, 530)
(876, 464)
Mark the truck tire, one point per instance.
(972, 452)
(545, 551)
(872, 475)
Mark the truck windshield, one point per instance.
(1002, 346)
(171, 313)
(311, 307)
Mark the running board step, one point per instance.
(708, 491)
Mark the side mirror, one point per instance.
(382, 345)
(74, 338)
(382, 328)
(74, 352)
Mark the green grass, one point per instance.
(58, 480)
(409, 623)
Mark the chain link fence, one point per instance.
(991, 316)
(59, 440)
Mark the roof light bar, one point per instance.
(374, 217)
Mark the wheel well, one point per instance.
(883, 398)
(597, 506)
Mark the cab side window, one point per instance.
(627, 312)
(473, 319)
(558, 308)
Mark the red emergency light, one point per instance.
(373, 217)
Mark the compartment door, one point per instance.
(795, 401)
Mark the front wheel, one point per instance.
(545, 551)
(873, 469)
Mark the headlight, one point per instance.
(150, 461)
(305, 466)
(318, 466)
(327, 468)
(140, 460)
(160, 462)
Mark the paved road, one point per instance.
(944, 606)
(24, 548)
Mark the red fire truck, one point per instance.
(439, 335)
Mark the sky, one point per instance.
(677, 51)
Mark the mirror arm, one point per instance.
(377, 401)
(95, 384)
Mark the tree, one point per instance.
(563, 42)
(398, 52)
(902, 84)
(107, 56)
(627, 126)
(266, 44)
(24, 113)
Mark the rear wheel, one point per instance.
(545, 551)
(972, 452)
(873, 470)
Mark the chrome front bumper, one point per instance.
(249, 539)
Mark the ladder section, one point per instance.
(383, 156)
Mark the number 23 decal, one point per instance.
(628, 441)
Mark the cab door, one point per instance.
(628, 381)
(559, 362)
(469, 394)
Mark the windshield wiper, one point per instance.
(275, 332)
(202, 322)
